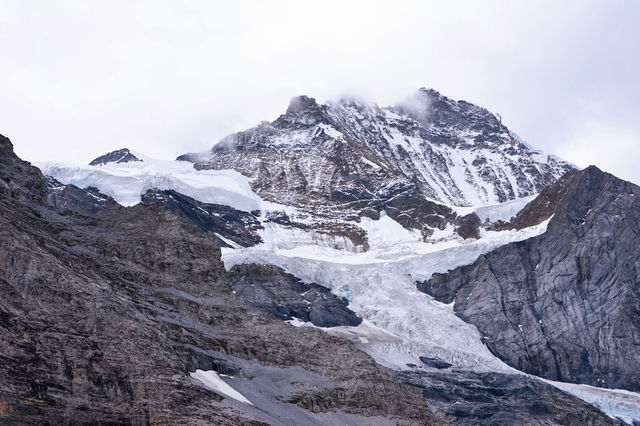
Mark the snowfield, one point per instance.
(127, 182)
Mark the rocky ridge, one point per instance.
(119, 156)
(102, 327)
(347, 159)
(563, 305)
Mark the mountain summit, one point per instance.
(355, 153)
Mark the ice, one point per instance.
(400, 324)
(380, 287)
(127, 182)
(211, 380)
(504, 211)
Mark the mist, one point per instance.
(165, 78)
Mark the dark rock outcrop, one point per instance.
(564, 305)
(103, 316)
(65, 198)
(465, 397)
(270, 288)
(435, 362)
(119, 156)
(225, 222)
(19, 180)
(542, 207)
(469, 226)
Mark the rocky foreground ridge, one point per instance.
(104, 316)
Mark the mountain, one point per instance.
(280, 269)
(119, 156)
(352, 158)
(565, 304)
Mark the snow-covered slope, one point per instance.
(351, 151)
(126, 182)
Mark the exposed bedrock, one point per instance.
(465, 397)
(564, 305)
(270, 288)
(103, 317)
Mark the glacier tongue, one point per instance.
(379, 285)
(400, 323)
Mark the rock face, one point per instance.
(469, 226)
(501, 399)
(19, 180)
(103, 317)
(119, 156)
(349, 156)
(65, 198)
(564, 305)
(270, 288)
(231, 226)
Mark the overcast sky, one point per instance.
(80, 78)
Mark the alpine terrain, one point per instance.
(345, 263)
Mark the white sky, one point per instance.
(80, 78)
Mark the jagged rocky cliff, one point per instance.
(357, 158)
(566, 304)
(122, 155)
(103, 317)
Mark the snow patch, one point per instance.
(504, 211)
(386, 231)
(212, 381)
(369, 162)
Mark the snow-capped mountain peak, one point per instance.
(352, 158)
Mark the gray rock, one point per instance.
(229, 223)
(66, 198)
(564, 305)
(103, 316)
(435, 362)
(270, 288)
(119, 156)
(469, 226)
(465, 397)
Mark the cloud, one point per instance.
(164, 77)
